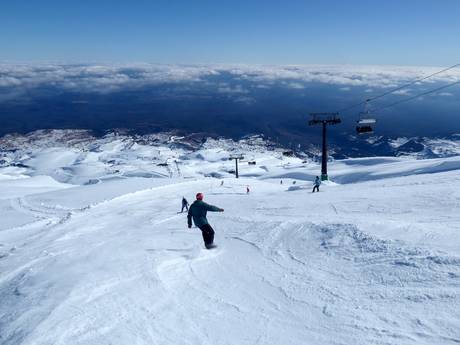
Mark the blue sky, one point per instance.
(390, 32)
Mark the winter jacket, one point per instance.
(317, 182)
(198, 211)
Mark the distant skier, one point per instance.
(281, 181)
(247, 189)
(197, 212)
(184, 204)
(317, 184)
(221, 183)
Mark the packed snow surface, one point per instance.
(373, 258)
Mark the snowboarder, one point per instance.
(317, 184)
(184, 205)
(197, 212)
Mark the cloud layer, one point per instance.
(229, 100)
(110, 78)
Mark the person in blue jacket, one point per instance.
(317, 183)
(197, 211)
(184, 204)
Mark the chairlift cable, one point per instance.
(399, 88)
(365, 126)
(418, 95)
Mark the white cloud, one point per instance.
(98, 78)
(295, 85)
(9, 81)
(402, 92)
(369, 76)
(109, 78)
(225, 88)
(245, 99)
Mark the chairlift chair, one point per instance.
(365, 126)
(366, 122)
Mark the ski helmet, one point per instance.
(199, 196)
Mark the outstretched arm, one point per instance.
(213, 208)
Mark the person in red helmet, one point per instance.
(197, 212)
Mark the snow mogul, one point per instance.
(198, 211)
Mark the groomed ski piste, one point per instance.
(373, 258)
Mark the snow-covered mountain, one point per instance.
(93, 249)
(77, 156)
(421, 147)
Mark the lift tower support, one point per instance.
(236, 158)
(324, 119)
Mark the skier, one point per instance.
(317, 184)
(247, 189)
(221, 183)
(184, 205)
(198, 211)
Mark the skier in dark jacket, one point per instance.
(317, 184)
(197, 212)
(184, 204)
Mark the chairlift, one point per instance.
(366, 122)
(365, 126)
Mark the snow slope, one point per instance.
(374, 258)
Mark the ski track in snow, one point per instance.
(360, 270)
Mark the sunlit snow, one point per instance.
(93, 249)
